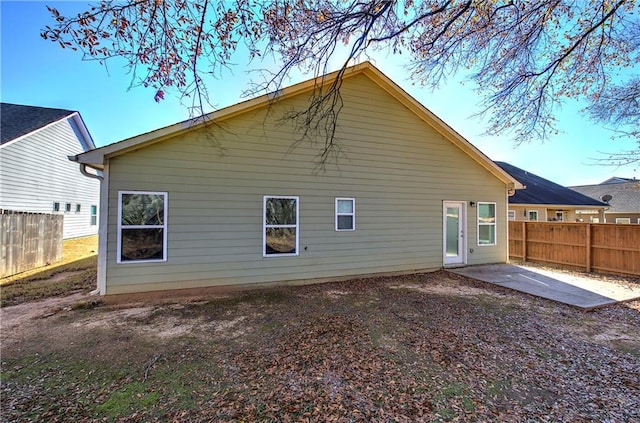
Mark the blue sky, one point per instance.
(37, 72)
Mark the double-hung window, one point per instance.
(142, 226)
(486, 223)
(533, 215)
(280, 226)
(94, 215)
(345, 214)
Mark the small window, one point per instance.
(533, 215)
(559, 216)
(94, 215)
(280, 226)
(67, 208)
(56, 206)
(595, 220)
(142, 226)
(345, 214)
(486, 223)
(512, 215)
(78, 208)
(623, 220)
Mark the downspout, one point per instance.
(83, 170)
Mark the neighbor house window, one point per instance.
(94, 215)
(559, 216)
(623, 220)
(595, 220)
(78, 207)
(56, 206)
(67, 208)
(142, 226)
(345, 214)
(512, 215)
(280, 226)
(533, 215)
(486, 223)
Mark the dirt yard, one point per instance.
(430, 347)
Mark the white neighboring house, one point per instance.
(35, 172)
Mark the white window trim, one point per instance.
(265, 226)
(494, 224)
(529, 216)
(511, 215)
(164, 227)
(627, 220)
(352, 214)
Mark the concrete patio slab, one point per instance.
(576, 290)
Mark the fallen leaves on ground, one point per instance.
(429, 347)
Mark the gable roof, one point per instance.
(543, 191)
(18, 120)
(97, 158)
(616, 180)
(625, 196)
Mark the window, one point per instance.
(142, 226)
(78, 207)
(280, 226)
(623, 220)
(345, 214)
(56, 206)
(559, 216)
(486, 223)
(512, 215)
(595, 220)
(67, 208)
(533, 215)
(94, 215)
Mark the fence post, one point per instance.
(524, 240)
(588, 246)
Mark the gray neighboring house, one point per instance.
(622, 195)
(35, 172)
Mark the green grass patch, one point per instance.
(127, 399)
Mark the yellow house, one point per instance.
(406, 194)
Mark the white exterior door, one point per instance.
(454, 225)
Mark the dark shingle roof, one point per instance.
(543, 191)
(625, 196)
(19, 120)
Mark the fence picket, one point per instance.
(28, 240)
(599, 247)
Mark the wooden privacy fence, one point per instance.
(598, 247)
(28, 240)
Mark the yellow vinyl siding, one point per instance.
(398, 169)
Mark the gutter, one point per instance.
(83, 170)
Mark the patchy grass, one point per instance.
(431, 347)
(73, 250)
(75, 273)
(77, 276)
